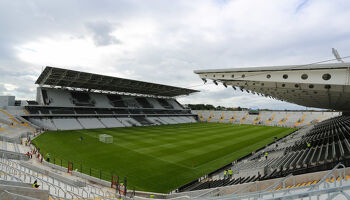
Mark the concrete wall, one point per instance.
(7, 101)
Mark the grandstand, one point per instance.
(64, 102)
(309, 159)
(269, 118)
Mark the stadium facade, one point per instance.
(324, 86)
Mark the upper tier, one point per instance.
(69, 98)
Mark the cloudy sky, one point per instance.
(163, 41)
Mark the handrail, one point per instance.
(80, 191)
(41, 180)
(277, 183)
(328, 174)
(309, 188)
(13, 177)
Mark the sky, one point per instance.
(163, 41)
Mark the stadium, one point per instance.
(90, 136)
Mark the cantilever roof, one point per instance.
(53, 76)
(278, 68)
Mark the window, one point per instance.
(268, 76)
(311, 86)
(304, 76)
(243, 75)
(262, 84)
(285, 76)
(296, 85)
(223, 76)
(327, 86)
(232, 76)
(214, 75)
(326, 77)
(283, 85)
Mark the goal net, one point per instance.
(106, 138)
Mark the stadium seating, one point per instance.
(67, 123)
(82, 99)
(270, 118)
(90, 122)
(329, 144)
(67, 110)
(165, 104)
(116, 100)
(111, 122)
(143, 102)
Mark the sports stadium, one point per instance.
(90, 136)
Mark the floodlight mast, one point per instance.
(336, 55)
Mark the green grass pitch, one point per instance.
(158, 158)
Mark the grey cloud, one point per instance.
(189, 35)
(101, 32)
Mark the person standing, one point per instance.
(266, 154)
(308, 144)
(35, 184)
(225, 173)
(230, 173)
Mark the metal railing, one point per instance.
(18, 172)
(335, 188)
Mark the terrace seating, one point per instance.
(67, 123)
(329, 144)
(142, 120)
(116, 100)
(111, 122)
(143, 102)
(165, 104)
(82, 99)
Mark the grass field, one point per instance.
(158, 158)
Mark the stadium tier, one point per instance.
(68, 100)
(267, 118)
(63, 109)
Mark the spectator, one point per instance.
(35, 184)
(225, 174)
(230, 173)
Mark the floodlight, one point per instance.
(336, 55)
